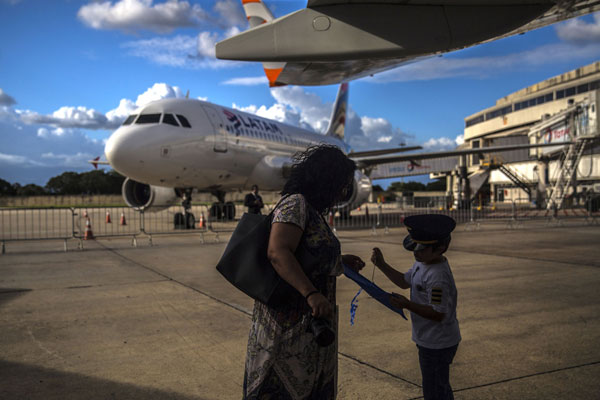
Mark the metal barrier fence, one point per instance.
(94, 222)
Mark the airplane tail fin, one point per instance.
(257, 14)
(337, 123)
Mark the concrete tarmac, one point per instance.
(116, 322)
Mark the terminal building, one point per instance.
(560, 109)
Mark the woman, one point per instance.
(283, 359)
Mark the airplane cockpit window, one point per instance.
(130, 119)
(169, 119)
(148, 119)
(184, 121)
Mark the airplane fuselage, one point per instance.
(185, 143)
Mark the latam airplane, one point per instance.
(332, 41)
(172, 146)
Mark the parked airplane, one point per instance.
(170, 147)
(332, 41)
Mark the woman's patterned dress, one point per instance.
(283, 360)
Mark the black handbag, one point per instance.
(245, 265)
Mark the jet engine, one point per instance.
(142, 196)
(361, 190)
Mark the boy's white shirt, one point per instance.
(433, 284)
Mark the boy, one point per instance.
(432, 299)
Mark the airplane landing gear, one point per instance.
(185, 220)
(222, 210)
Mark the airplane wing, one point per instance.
(364, 162)
(332, 41)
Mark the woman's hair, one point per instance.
(320, 174)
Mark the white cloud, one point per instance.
(579, 31)
(230, 12)
(440, 144)
(69, 117)
(158, 91)
(69, 160)
(247, 81)
(6, 100)
(460, 139)
(135, 15)
(181, 51)
(17, 160)
(297, 107)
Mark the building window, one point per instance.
(582, 88)
(474, 121)
(570, 91)
(560, 94)
(475, 157)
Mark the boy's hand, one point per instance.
(353, 262)
(399, 301)
(377, 257)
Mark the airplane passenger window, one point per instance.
(184, 121)
(170, 119)
(148, 119)
(130, 119)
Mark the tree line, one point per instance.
(102, 182)
(69, 183)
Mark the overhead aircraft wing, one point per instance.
(332, 41)
(415, 157)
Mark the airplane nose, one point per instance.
(119, 153)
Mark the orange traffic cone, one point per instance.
(108, 221)
(89, 235)
(123, 221)
(201, 224)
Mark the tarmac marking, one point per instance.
(359, 361)
(235, 307)
(520, 377)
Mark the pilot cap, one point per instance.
(427, 230)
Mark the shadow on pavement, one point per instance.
(34, 382)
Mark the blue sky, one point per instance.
(70, 71)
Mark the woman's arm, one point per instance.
(283, 241)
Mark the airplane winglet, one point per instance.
(257, 14)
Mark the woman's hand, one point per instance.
(377, 257)
(399, 301)
(353, 262)
(321, 307)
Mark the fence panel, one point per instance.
(106, 221)
(35, 223)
